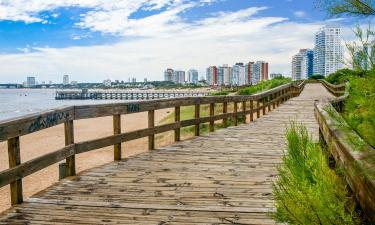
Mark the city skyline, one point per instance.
(90, 41)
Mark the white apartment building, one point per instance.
(193, 76)
(238, 74)
(328, 51)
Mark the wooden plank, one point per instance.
(212, 113)
(263, 106)
(151, 124)
(196, 116)
(258, 109)
(14, 156)
(117, 130)
(69, 139)
(177, 131)
(269, 99)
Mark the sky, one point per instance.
(93, 40)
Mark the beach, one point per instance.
(51, 139)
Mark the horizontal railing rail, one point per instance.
(12, 130)
(349, 155)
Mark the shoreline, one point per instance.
(51, 139)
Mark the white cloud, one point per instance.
(163, 40)
(299, 14)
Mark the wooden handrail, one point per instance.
(11, 130)
(337, 135)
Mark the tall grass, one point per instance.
(307, 190)
(264, 85)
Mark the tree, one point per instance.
(352, 7)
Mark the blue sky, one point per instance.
(92, 40)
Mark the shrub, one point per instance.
(316, 77)
(218, 93)
(264, 85)
(343, 75)
(359, 110)
(307, 190)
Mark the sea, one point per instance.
(19, 102)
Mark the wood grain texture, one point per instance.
(222, 178)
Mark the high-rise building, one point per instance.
(307, 69)
(224, 75)
(168, 75)
(238, 74)
(260, 72)
(178, 76)
(65, 79)
(134, 80)
(302, 64)
(249, 72)
(193, 76)
(275, 75)
(328, 51)
(30, 82)
(211, 76)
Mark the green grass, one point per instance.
(218, 93)
(359, 110)
(307, 191)
(264, 85)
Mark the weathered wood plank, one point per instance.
(117, 130)
(14, 156)
(69, 139)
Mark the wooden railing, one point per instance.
(12, 130)
(350, 156)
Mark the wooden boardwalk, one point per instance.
(222, 178)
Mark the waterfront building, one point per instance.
(107, 83)
(238, 74)
(328, 51)
(65, 79)
(134, 80)
(297, 65)
(193, 76)
(307, 64)
(168, 75)
(224, 75)
(178, 77)
(260, 72)
(30, 81)
(249, 72)
(211, 76)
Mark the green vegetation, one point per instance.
(316, 77)
(359, 110)
(264, 85)
(307, 190)
(218, 93)
(351, 7)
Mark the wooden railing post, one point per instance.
(269, 102)
(151, 124)
(278, 94)
(196, 116)
(69, 139)
(274, 96)
(117, 130)
(235, 113)
(177, 115)
(225, 110)
(258, 108)
(14, 156)
(251, 109)
(263, 106)
(212, 113)
(244, 111)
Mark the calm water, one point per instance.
(19, 102)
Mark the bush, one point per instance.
(218, 93)
(316, 77)
(343, 75)
(264, 85)
(359, 110)
(307, 190)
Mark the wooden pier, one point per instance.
(125, 95)
(221, 178)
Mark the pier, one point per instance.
(125, 95)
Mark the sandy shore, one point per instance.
(48, 140)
